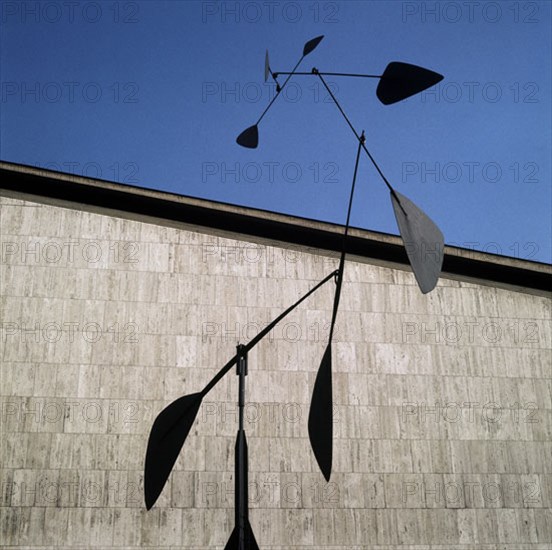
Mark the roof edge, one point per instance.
(382, 247)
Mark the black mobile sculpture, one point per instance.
(424, 245)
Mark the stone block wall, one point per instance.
(442, 420)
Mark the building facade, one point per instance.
(118, 300)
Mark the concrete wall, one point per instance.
(443, 402)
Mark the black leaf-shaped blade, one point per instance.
(402, 80)
(168, 433)
(249, 137)
(311, 44)
(320, 415)
(423, 241)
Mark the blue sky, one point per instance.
(155, 93)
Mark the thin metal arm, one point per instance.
(278, 91)
(360, 142)
(342, 259)
(390, 187)
(261, 335)
(357, 75)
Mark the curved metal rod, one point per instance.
(344, 242)
(256, 339)
(363, 145)
(280, 90)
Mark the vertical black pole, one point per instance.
(242, 505)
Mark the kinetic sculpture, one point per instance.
(424, 245)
